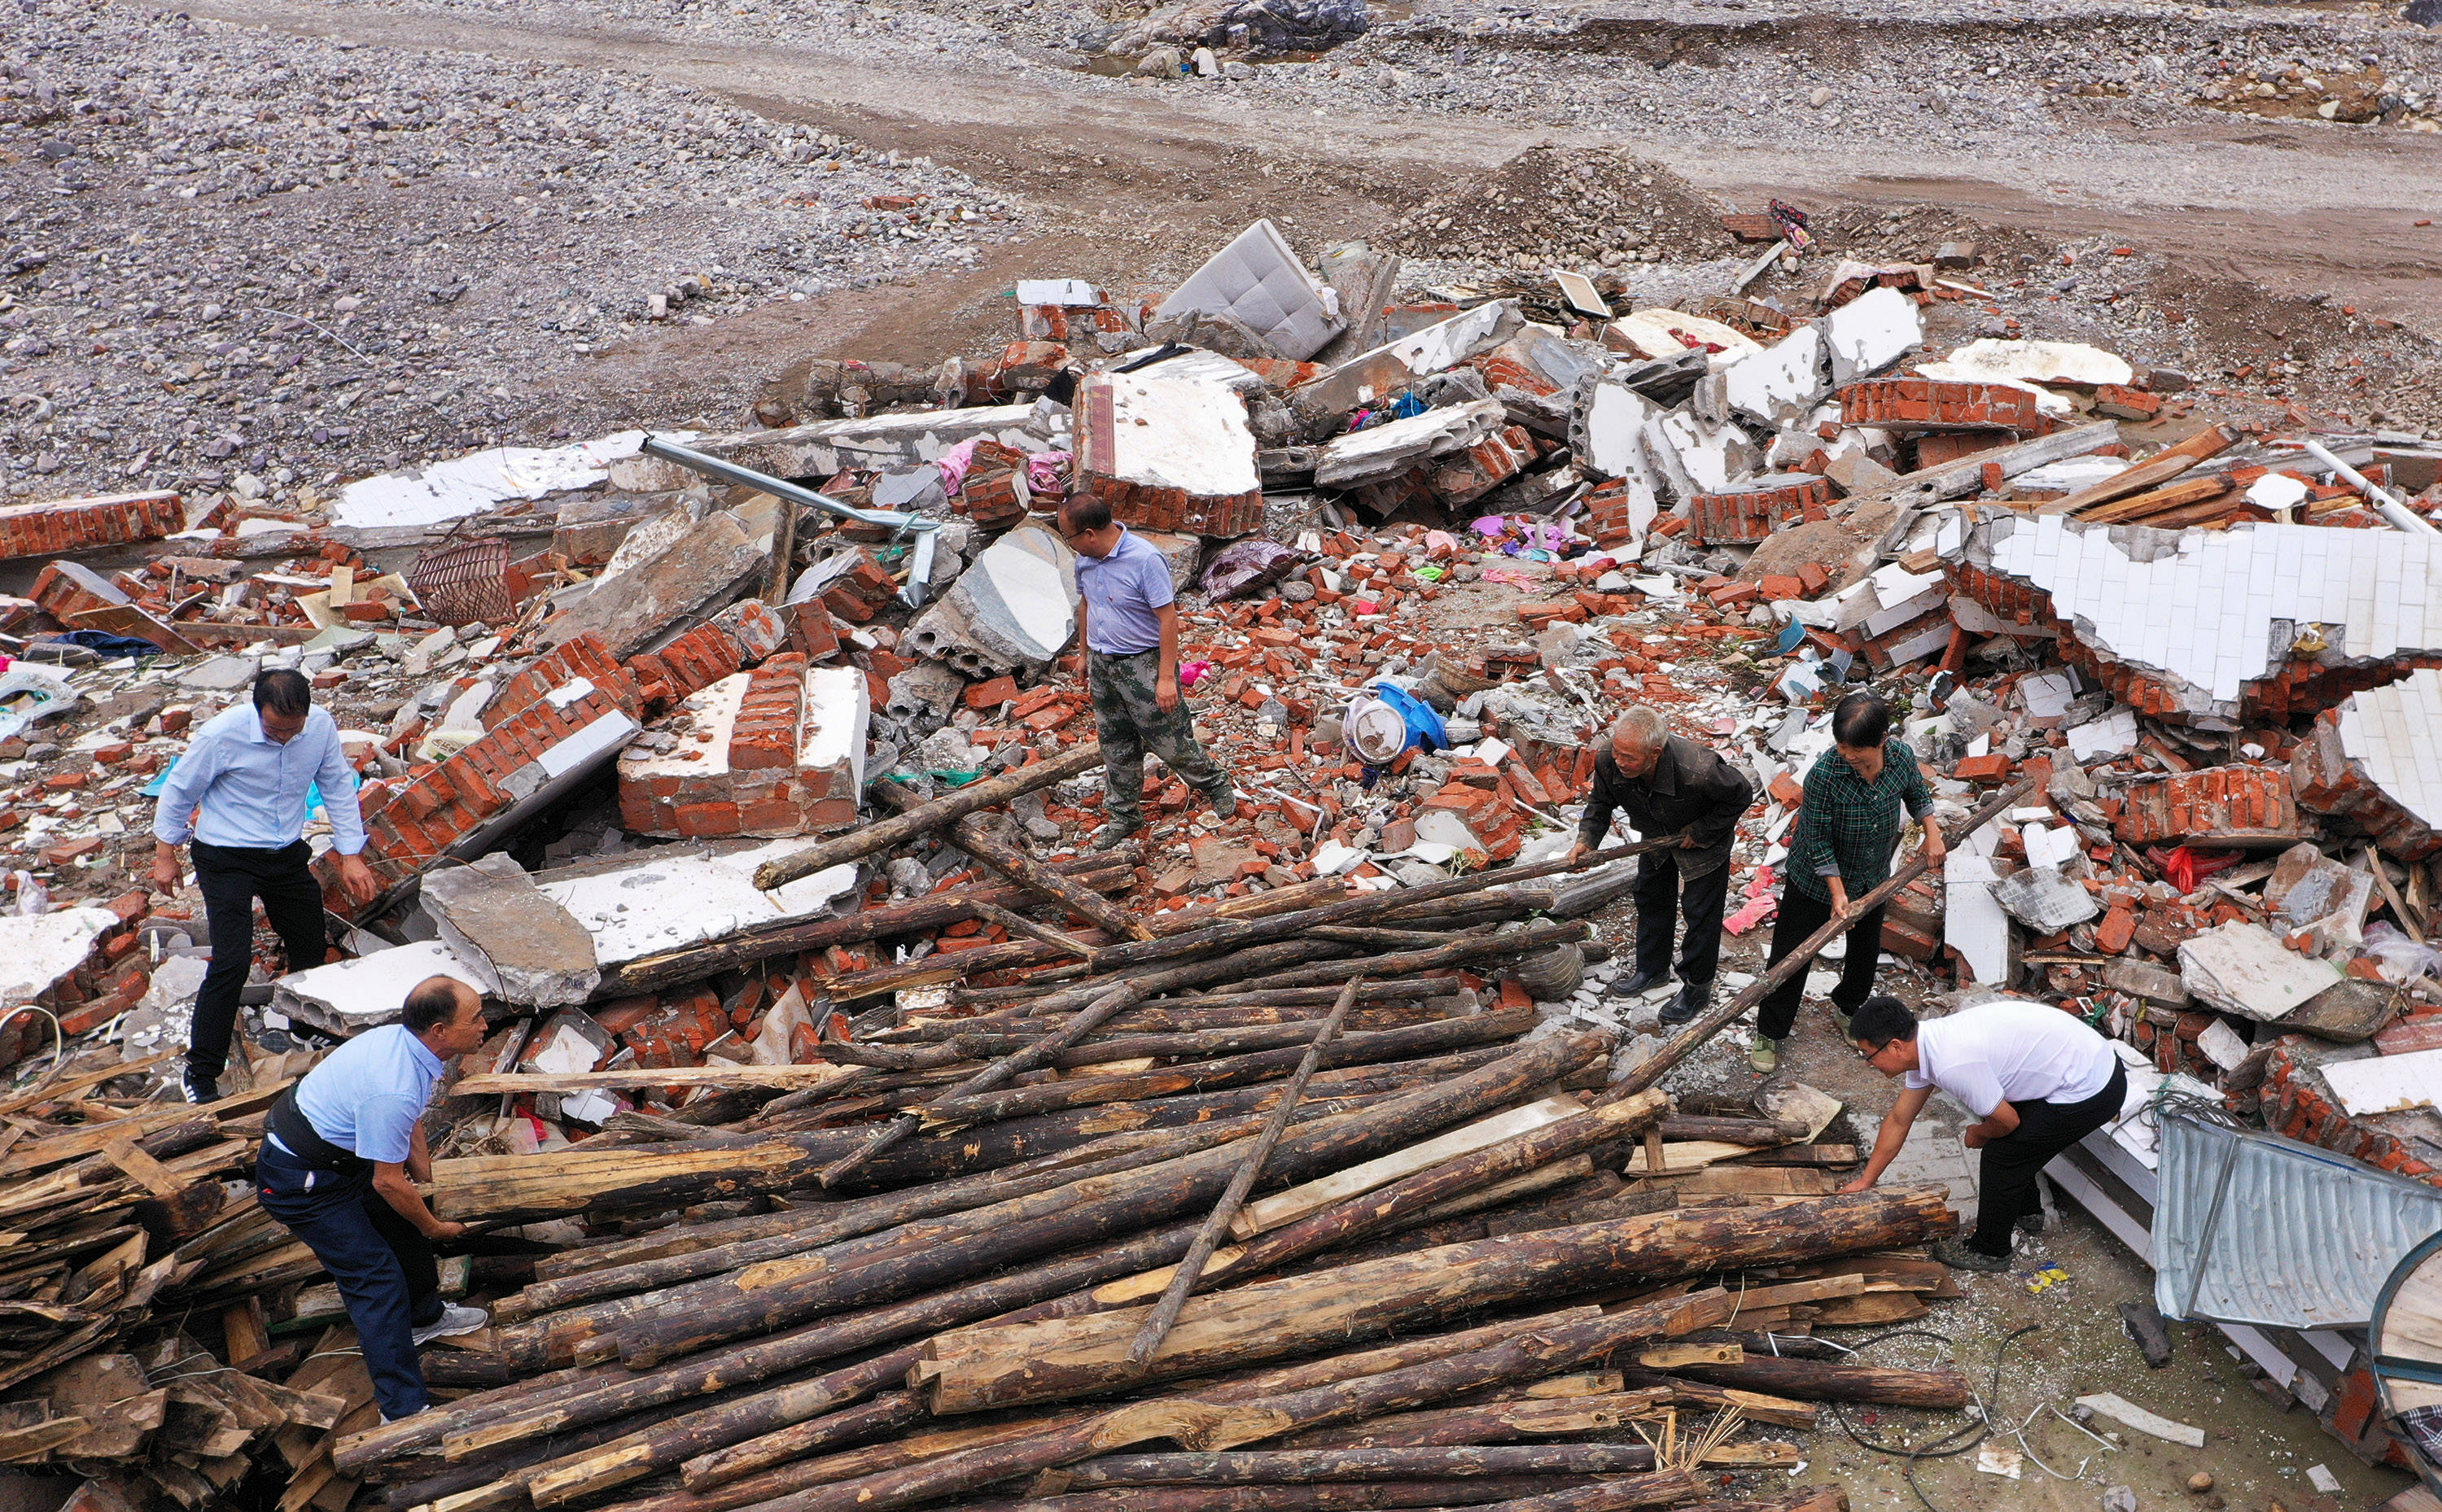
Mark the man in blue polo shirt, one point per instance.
(1128, 628)
(239, 793)
(342, 1151)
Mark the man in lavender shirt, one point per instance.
(1128, 628)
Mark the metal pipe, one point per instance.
(2390, 508)
(920, 567)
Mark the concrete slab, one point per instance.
(1168, 453)
(1871, 331)
(1393, 447)
(1783, 381)
(700, 566)
(1015, 608)
(681, 896)
(351, 996)
(2244, 969)
(38, 950)
(875, 442)
(531, 951)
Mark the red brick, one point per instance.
(1992, 767)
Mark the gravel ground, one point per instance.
(227, 253)
(236, 253)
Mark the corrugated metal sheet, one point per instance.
(2254, 1229)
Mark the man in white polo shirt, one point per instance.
(2038, 1079)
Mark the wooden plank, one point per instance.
(126, 619)
(1683, 1156)
(76, 1082)
(1297, 1202)
(148, 1173)
(2161, 469)
(792, 1077)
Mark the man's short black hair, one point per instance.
(431, 1003)
(1882, 1019)
(1862, 720)
(1085, 513)
(282, 691)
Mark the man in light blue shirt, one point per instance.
(237, 798)
(1129, 629)
(342, 1151)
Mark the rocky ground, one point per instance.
(270, 239)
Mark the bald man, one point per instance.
(342, 1152)
(1668, 785)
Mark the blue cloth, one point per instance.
(236, 787)
(384, 1269)
(366, 1096)
(1122, 592)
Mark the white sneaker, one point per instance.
(453, 1322)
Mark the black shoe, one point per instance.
(2032, 1222)
(1638, 985)
(1694, 997)
(199, 1089)
(1960, 1255)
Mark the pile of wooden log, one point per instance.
(1444, 1287)
(1246, 1209)
(134, 1339)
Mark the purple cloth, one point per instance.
(1122, 592)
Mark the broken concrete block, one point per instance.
(1258, 280)
(1398, 363)
(531, 951)
(2368, 765)
(1015, 608)
(700, 567)
(1607, 430)
(1871, 331)
(1853, 472)
(1700, 457)
(1973, 924)
(2244, 969)
(348, 998)
(879, 443)
(1782, 382)
(1536, 375)
(925, 695)
(2145, 982)
(1991, 360)
(672, 897)
(1395, 446)
(1168, 454)
(1658, 335)
(2044, 900)
(2290, 628)
(777, 751)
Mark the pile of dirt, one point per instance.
(1565, 206)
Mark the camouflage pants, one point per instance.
(1129, 723)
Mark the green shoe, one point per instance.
(1225, 804)
(1842, 1019)
(1111, 836)
(1765, 1057)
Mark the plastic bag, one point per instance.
(2399, 958)
(31, 897)
(29, 692)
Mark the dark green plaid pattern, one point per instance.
(1848, 827)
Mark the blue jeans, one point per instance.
(385, 1268)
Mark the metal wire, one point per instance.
(1959, 1440)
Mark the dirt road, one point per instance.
(1135, 178)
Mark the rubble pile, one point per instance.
(748, 778)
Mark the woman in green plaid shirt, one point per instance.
(1848, 825)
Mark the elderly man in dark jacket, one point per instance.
(1668, 785)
